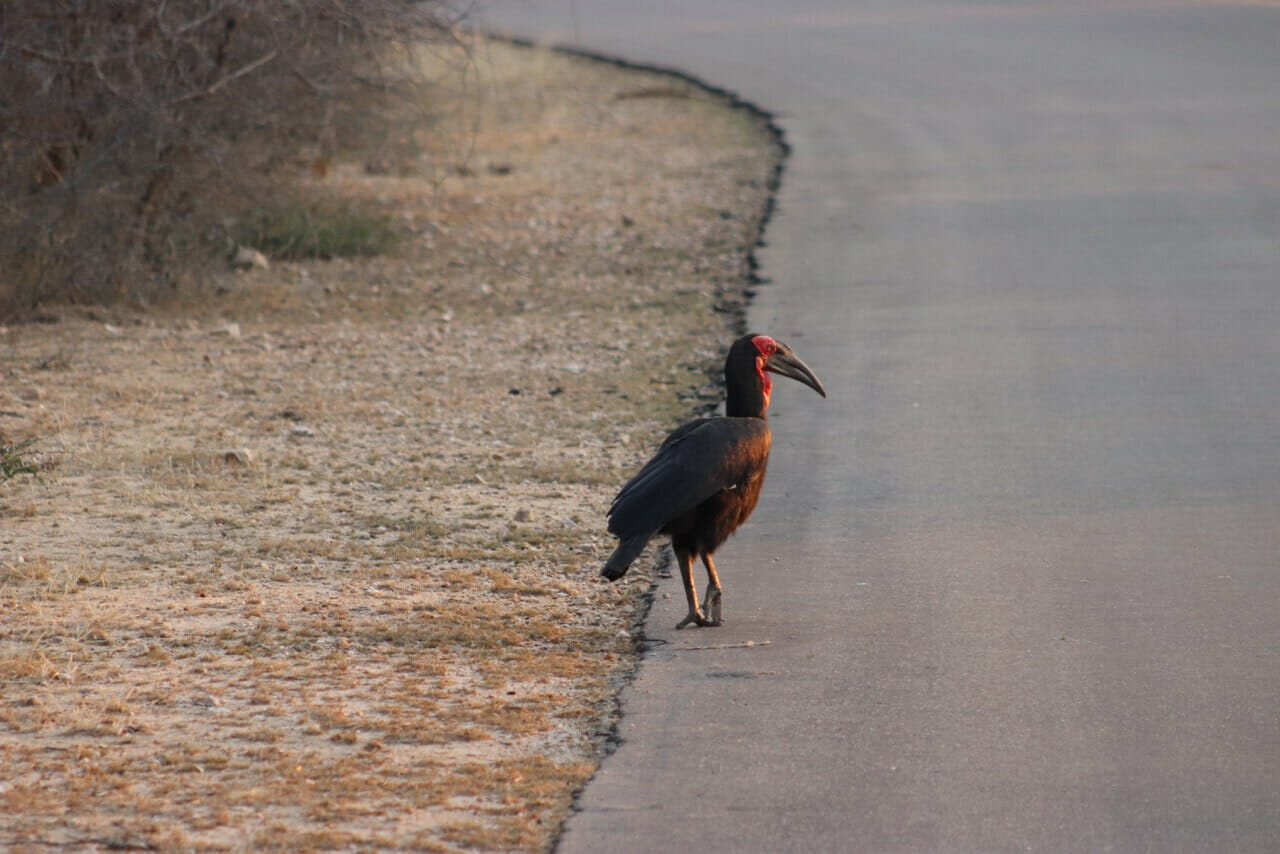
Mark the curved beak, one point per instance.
(786, 363)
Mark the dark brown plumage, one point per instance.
(705, 479)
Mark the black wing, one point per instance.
(695, 462)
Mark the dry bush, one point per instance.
(117, 119)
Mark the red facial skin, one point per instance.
(766, 347)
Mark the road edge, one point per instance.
(746, 289)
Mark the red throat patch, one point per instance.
(766, 347)
(766, 381)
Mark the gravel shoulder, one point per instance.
(312, 559)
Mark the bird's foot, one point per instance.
(696, 618)
(711, 604)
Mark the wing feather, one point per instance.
(695, 462)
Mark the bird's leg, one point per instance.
(712, 601)
(695, 616)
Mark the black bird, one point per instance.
(705, 479)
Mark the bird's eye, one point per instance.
(765, 345)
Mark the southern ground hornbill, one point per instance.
(705, 479)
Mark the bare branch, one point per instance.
(50, 57)
(238, 73)
(191, 25)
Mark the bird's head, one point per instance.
(751, 359)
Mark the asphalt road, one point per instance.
(1020, 575)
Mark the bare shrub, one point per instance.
(124, 122)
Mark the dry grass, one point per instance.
(381, 627)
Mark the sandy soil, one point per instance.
(312, 559)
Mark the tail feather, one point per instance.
(626, 552)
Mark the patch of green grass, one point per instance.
(12, 463)
(318, 229)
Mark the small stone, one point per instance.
(249, 259)
(238, 456)
(302, 430)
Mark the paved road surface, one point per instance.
(1020, 575)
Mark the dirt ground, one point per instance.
(311, 562)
